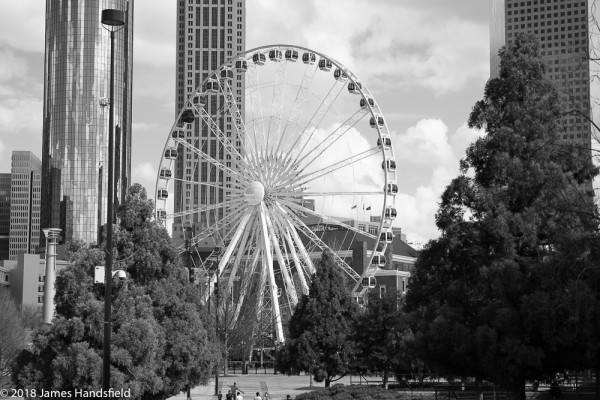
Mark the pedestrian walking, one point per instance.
(257, 397)
(239, 396)
(554, 390)
(267, 396)
(220, 396)
(229, 395)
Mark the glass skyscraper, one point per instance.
(75, 124)
(209, 32)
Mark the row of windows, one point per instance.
(561, 2)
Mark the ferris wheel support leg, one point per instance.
(223, 262)
(284, 228)
(245, 284)
(303, 253)
(236, 262)
(289, 284)
(272, 284)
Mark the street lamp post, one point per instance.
(217, 250)
(112, 20)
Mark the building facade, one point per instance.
(4, 215)
(564, 28)
(76, 112)
(25, 203)
(209, 32)
(24, 278)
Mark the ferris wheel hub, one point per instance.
(255, 193)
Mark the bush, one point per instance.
(360, 392)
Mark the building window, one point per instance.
(381, 291)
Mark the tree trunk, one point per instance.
(327, 382)
(518, 389)
(385, 378)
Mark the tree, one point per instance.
(160, 345)
(12, 332)
(320, 330)
(382, 335)
(499, 294)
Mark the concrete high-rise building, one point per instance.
(564, 28)
(209, 32)
(25, 187)
(75, 124)
(4, 215)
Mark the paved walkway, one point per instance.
(278, 385)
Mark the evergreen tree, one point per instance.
(383, 336)
(499, 294)
(160, 345)
(320, 330)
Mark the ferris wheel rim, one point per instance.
(372, 109)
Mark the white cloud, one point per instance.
(145, 174)
(23, 26)
(428, 151)
(386, 44)
(423, 143)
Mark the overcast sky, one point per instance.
(426, 62)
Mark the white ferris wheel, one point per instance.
(277, 156)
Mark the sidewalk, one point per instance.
(279, 386)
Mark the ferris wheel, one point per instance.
(281, 153)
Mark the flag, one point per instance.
(353, 207)
(368, 208)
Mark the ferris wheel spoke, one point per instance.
(268, 262)
(311, 127)
(302, 209)
(304, 179)
(296, 194)
(288, 283)
(239, 229)
(218, 225)
(277, 101)
(247, 278)
(317, 151)
(205, 208)
(241, 249)
(293, 120)
(292, 250)
(217, 185)
(300, 225)
(216, 163)
(253, 93)
(223, 140)
(290, 169)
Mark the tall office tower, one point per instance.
(4, 215)
(76, 111)
(26, 180)
(563, 28)
(209, 32)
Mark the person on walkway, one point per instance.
(229, 395)
(234, 388)
(220, 396)
(239, 396)
(257, 397)
(267, 396)
(554, 390)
